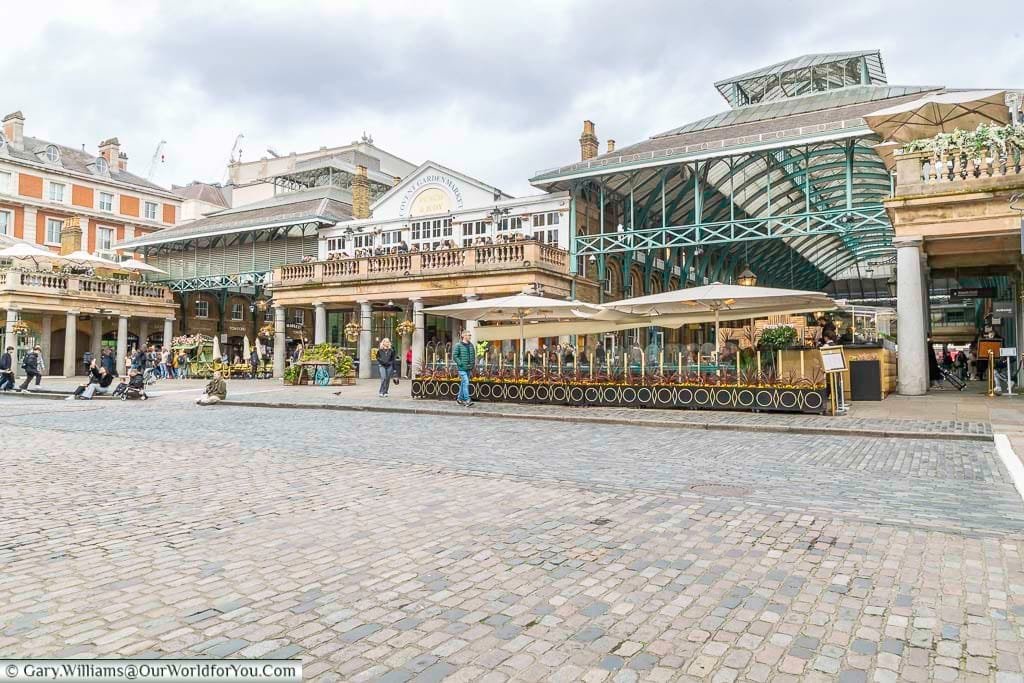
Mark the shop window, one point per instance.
(202, 308)
(236, 311)
(298, 316)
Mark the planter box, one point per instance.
(764, 399)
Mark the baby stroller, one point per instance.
(149, 377)
(135, 388)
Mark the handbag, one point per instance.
(395, 380)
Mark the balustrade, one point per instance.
(957, 166)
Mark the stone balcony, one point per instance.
(927, 173)
(62, 291)
(466, 261)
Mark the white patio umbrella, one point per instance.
(216, 348)
(940, 113)
(142, 266)
(518, 308)
(87, 259)
(725, 302)
(246, 349)
(24, 251)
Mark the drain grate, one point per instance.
(720, 490)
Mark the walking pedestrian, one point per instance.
(408, 363)
(7, 369)
(33, 359)
(386, 362)
(464, 356)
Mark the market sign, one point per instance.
(972, 293)
(1003, 309)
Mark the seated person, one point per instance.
(99, 383)
(216, 391)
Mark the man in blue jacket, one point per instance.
(464, 355)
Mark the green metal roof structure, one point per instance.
(787, 182)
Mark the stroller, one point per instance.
(149, 377)
(134, 388)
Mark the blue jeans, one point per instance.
(385, 379)
(464, 386)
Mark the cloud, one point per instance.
(497, 90)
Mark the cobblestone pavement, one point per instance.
(404, 547)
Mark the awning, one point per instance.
(943, 113)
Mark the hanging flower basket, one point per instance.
(20, 327)
(267, 331)
(405, 327)
(352, 331)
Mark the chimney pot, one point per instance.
(588, 141)
(14, 129)
(611, 145)
(110, 150)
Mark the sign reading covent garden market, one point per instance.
(431, 193)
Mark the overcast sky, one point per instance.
(495, 90)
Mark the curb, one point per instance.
(584, 419)
(1011, 462)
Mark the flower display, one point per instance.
(405, 327)
(20, 327)
(352, 331)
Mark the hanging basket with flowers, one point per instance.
(352, 331)
(20, 327)
(405, 327)
(267, 331)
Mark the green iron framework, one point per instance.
(797, 215)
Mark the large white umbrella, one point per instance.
(87, 259)
(134, 264)
(216, 348)
(246, 349)
(723, 302)
(23, 251)
(941, 113)
(518, 308)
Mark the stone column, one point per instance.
(96, 339)
(365, 339)
(122, 343)
(403, 345)
(70, 339)
(470, 324)
(169, 331)
(911, 312)
(417, 337)
(319, 323)
(143, 332)
(279, 341)
(46, 334)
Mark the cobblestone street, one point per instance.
(400, 547)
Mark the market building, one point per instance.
(65, 199)
(268, 214)
(792, 186)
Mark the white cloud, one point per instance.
(497, 90)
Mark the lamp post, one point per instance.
(747, 278)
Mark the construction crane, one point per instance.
(236, 150)
(158, 156)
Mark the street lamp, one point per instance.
(747, 278)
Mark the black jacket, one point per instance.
(31, 362)
(107, 361)
(5, 361)
(386, 357)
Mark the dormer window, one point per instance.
(52, 154)
(3, 142)
(101, 165)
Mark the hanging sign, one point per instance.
(1002, 309)
(972, 293)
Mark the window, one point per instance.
(3, 140)
(202, 308)
(363, 240)
(510, 224)
(471, 230)
(268, 315)
(101, 165)
(57, 192)
(549, 218)
(6, 223)
(416, 234)
(236, 312)
(150, 209)
(335, 244)
(545, 227)
(5, 182)
(391, 237)
(106, 202)
(52, 154)
(53, 228)
(104, 239)
(298, 316)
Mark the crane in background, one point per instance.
(158, 155)
(234, 157)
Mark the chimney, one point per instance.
(360, 194)
(588, 141)
(122, 161)
(14, 129)
(70, 236)
(111, 151)
(611, 145)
